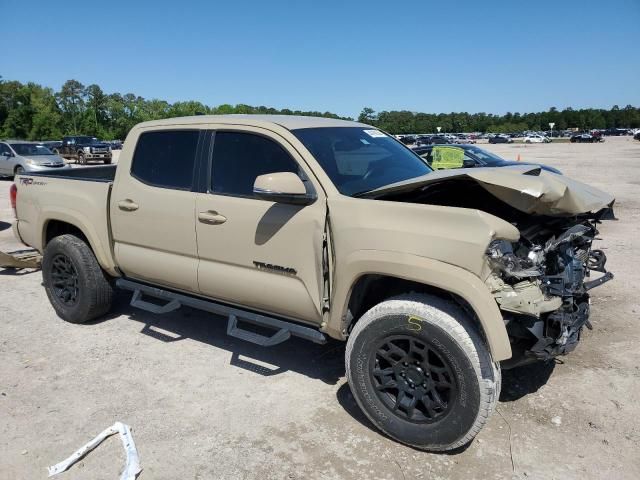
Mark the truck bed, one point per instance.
(77, 198)
(103, 173)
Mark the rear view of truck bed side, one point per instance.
(77, 202)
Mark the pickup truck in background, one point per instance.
(83, 149)
(317, 227)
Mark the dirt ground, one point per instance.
(202, 405)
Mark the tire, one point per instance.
(81, 159)
(19, 170)
(107, 161)
(457, 356)
(87, 292)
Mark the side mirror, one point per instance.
(282, 187)
(468, 163)
(8, 154)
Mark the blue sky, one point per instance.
(341, 56)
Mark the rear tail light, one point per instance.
(13, 196)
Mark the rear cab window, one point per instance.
(166, 158)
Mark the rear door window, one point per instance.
(166, 158)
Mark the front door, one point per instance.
(153, 210)
(257, 253)
(5, 160)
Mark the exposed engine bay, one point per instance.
(541, 282)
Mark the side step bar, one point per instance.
(284, 329)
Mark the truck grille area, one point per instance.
(561, 268)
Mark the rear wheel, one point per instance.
(77, 287)
(421, 372)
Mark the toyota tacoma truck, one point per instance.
(316, 228)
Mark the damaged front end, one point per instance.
(542, 285)
(541, 282)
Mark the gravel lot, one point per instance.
(203, 405)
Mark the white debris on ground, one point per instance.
(132, 467)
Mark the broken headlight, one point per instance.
(515, 260)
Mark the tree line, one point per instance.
(398, 122)
(33, 112)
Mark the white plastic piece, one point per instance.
(132, 466)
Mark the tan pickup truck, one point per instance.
(316, 227)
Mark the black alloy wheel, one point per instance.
(64, 280)
(412, 379)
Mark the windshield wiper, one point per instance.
(363, 193)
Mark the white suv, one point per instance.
(534, 138)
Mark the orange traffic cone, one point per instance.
(518, 157)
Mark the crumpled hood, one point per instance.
(526, 188)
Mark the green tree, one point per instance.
(71, 101)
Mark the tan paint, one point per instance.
(522, 187)
(207, 244)
(283, 182)
(82, 204)
(261, 231)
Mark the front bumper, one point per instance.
(545, 314)
(97, 156)
(35, 168)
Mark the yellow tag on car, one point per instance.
(444, 157)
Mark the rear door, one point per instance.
(153, 210)
(260, 254)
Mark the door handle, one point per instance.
(127, 205)
(211, 218)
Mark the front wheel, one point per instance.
(421, 372)
(77, 287)
(19, 170)
(81, 159)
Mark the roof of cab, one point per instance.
(290, 122)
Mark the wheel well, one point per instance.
(372, 289)
(55, 228)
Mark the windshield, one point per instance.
(360, 159)
(484, 156)
(30, 149)
(87, 140)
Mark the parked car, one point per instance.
(18, 157)
(474, 156)
(408, 139)
(440, 140)
(423, 140)
(500, 139)
(51, 144)
(637, 136)
(82, 148)
(533, 138)
(463, 140)
(586, 138)
(115, 144)
(616, 132)
(207, 213)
